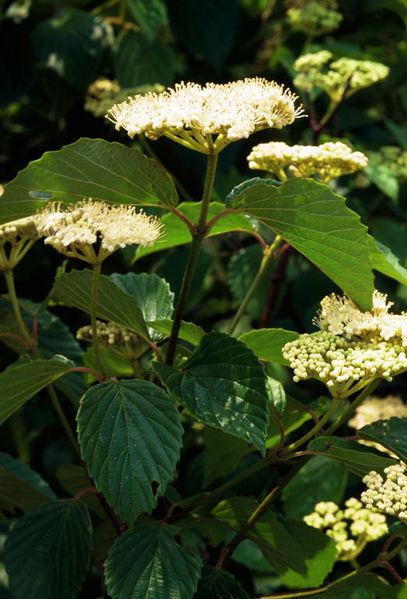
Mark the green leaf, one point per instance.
(223, 385)
(218, 584)
(47, 553)
(177, 232)
(21, 381)
(222, 454)
(93, 168)
(267, 343)
(356, 458)
(147, 563)
(189, 331)
(318, 551)
(149, 14)
(384, 261)
(20, 486)
(383, 177)
(139, 61)
(318, 224)
(391, 433)
(319, 480)
(362, 586)
(71, 44)
(74, 289)
(399, 133)
(73, 479)
(151, 293)
(130, 436)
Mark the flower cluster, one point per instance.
(16, 238)
(73, 231)
(350, 529)
(111, 334)
(389, 495)
(314, 18)
(191, 114)
(375, 408)
(327, 161)
(337, 78)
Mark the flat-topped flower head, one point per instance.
(350, 529)
(338, 78)
(207, 118)
(91, 231)
(389, 494)
(16, 238)
(327, 161)
(120, 339)
(314, 17)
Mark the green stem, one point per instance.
(197, 240)
(267, 256)
(356, 402)
(93, 309)
(312, 432)
(8, 275)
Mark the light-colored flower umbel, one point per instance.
(350, 529)
(314, 17)
(353, 347)
(110, 334)
(74, 230)
(327, 161)
(387, 495)
(207, 118)
(337, 78)
(16, 238)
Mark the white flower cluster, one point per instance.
(327, 161)
(314, 18)
(343, 366)
(340, 316)
(110, 333)
(375, 408)
(190, 114)
(389, 495)
(336, 77)
(73, 231)
(350, 529)
(16, 238)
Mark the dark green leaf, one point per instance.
(384, 261)
(223, 385)
(320, 479)
(73, 479)
(218, 584)
(147, 563)
(177, 232)
(71, 44)
(93, 168)
(74, 289)
(362, 586)
(189, 331)
(318, 224)
(276, 395)
(399, 133)
(139, 61)
(317, 549)
(151, 293)
(360, 462)
(383, 177)
(130, 437)
(391, 433)
(149, 14)
(20, 382)
(267, 343)
(47, 553)
(20, 486)
(222, 454)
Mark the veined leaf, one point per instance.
(94, 168)
(149, 14)
(130, 437)
(218, 583)
(391, 433)
(47, 553)
(189, 331)
(318, 224)
(383, 260)
(147, 563)
(223, 385)
(267, 343)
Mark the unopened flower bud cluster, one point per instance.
(329, 160)
(350, 529)
(16, 238)
(191, 114)
(110, 333)
(387, 495)
(73, 231)
(314, 18)
(337, 77)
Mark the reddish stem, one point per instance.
(276, 278)
(394, 572)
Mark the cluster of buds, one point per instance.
(338, 78)
(113, 335)
(389, 495)
(314, 18)
(350, 529)
(75, 230)
(16, 238)
(327, 161)
(191, 114)
(353, 348)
